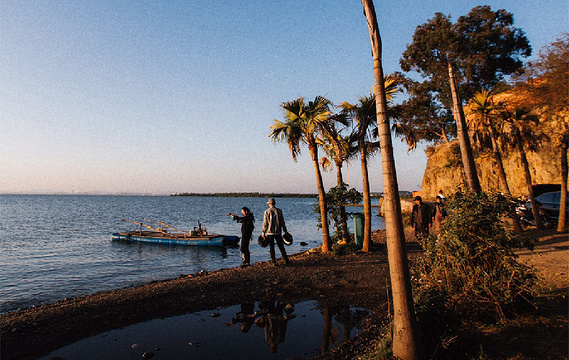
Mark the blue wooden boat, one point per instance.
(197, 237)
(154, 237)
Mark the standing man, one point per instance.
(247, 228)
(273, 224)
(421, 218)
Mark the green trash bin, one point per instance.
(359, 221)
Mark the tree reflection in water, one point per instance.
(350, 319)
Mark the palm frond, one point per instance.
(407, 133)
(326, 163)
(288, 132)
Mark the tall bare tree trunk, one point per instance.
(527, 174)
(343, 215)
(321, 198)
(366, 195)
(407, 344)
(503, 180)
(462, 134)
(561, 225)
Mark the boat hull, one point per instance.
(207, 240)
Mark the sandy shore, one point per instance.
(357, 280)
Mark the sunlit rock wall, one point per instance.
(444, 172)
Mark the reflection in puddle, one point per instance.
(267, 329)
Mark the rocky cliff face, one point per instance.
(444, 170)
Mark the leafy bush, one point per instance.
(472, 262)
(437, 321)
(340, 249)
(335, 197)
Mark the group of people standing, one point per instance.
(423, 218)
(272, 231)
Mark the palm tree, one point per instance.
(407, 343)
(515, 127)
(304, 124)
(337, 147)
(364, 113)
(483, 116)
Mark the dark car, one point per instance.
(550, 202)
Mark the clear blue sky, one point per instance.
(158, 97)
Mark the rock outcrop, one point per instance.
(444, 170)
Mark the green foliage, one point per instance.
(383, 350)
(483, 48)
(472, 262)
(422, 116)
(406, 218)
(335, 197)
(551, 70)
(339, 249)
(436, 319)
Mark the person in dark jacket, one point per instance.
(247, 227)
(421, 218)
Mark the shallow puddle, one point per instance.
(259, 330)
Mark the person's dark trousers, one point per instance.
(421, 232)
(245, 254)
(279, 240)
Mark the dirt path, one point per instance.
(550, 258)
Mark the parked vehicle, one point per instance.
(525, 214)
(548, 197)
(550, 203)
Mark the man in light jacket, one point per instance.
(273, 225)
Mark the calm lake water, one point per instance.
(54, 247)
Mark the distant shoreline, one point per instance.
(262, 195)
(275, 195)
(402, 194)
(248, 194)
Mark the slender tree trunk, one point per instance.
(503, 180)
(462, 134)
(561, 225)
(343, 215)
(527, 174)
(407, 344)
(322, 198)
(498, 159)
(366, 195)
